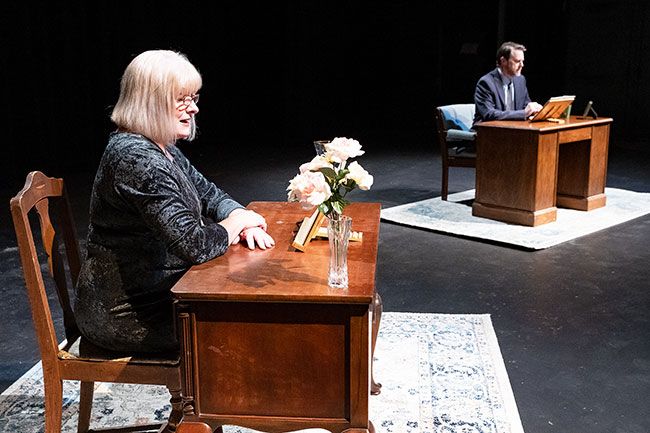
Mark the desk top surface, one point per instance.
(545, 125)
(282, 274)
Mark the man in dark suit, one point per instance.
(502, 94)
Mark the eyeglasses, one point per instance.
(185, 102)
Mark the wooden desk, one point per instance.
(525, 169)
(267, 344)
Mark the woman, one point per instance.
(152, 214)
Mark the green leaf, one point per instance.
(328, 172)
(341, 175)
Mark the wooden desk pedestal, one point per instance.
(524, 169)
(268, 345)
(277, 365)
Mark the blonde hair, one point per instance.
(149, 89)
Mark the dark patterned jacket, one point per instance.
(150, 220)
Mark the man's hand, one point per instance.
(532, 108)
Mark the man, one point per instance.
(502, 94)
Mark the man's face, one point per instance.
(514, 64)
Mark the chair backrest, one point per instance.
(455, 116)
(47, 196)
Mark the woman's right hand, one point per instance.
(249, 218)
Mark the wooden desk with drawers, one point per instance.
(524, 170)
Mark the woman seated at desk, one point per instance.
(152, 214)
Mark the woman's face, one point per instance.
(186, 109)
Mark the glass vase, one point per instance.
(338, 232)
(319, 146)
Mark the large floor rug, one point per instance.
(455, 217)
(441, 373)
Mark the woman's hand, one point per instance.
(248, 218)
(256, 235)
(242, 219)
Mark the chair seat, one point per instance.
(458, 135)
(83, 350)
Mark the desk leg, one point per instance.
(196, 427)
(184, 334)
(370, 429)
(176, 415)
(377, 308)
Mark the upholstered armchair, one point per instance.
(456, 139)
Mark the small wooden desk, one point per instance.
(267, 344)
(525, 169)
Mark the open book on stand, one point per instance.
(556, 109)
(311, 227)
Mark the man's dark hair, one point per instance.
(507, 48)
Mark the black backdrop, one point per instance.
(278, 75)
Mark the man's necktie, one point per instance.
(510, 97)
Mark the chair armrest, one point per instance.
(458, 135)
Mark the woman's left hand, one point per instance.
(257, 235)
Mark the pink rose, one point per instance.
(318, 162)
(342, 148)
(309, 188)
(360, 176)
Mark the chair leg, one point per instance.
(85, 406)
(53, 403)
(176, 415)
(445, 181)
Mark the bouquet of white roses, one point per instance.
(328, 178)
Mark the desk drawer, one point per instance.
(572, 135)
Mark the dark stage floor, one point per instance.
(572, 320)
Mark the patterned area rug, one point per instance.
(455, 216)
(441, 373)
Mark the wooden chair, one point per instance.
(456, 139)
(75, 358)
